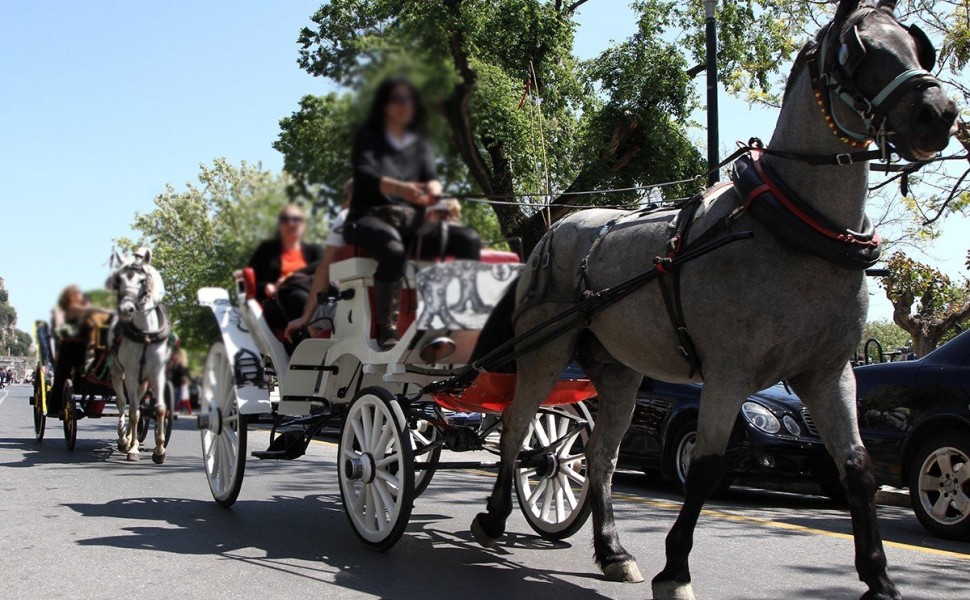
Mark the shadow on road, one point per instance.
(309, 537)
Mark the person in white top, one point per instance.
(321, 278)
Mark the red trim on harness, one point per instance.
(770, 185)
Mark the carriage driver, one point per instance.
(394, 180)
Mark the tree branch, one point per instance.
(572, 7)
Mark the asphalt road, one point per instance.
(86, 524)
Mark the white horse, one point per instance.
(142, 352)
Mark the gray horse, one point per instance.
(758, 311)
(141, 355)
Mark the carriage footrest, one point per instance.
(287, 446)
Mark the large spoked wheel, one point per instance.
(69, 415)
(940, 485)
(40, 419)
(423, 436)
(376, 469)
(554, 497)
(224, 439)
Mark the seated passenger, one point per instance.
(277, 259)
(321, 277)
(394, 180)
(75, 325)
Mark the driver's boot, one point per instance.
(387, 301)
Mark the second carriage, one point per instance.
(393, 429)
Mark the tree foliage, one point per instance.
(519, 114)
(13, 342)
(889, 335)
(927, 304)
(202, 234)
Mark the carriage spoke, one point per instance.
(377, 429)
(386, 498)
(570, 473)
(386, 461)
(560, 502)
(547, 501)
(358, 433)
(383, 441)
(369, 510)
(359, 500)
(568, 490)
(391, 479)
(366, 423)
(537, 491)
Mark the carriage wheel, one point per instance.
(145, 415)
(376, 469)
(419, 441)
(69, 416)
(169, 411)
(555, 497)
(224, 440)
(40, 419)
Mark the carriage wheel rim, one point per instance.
(944, 486)
(220, 449)
(556, 498)
(371, 436)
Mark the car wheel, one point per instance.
(678, 453)
(939, 485)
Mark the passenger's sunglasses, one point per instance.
(290, 220)
(402, 99)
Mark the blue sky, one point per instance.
(103, 103)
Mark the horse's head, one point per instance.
(881, 70)
(137, 284)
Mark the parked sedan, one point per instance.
(915, 421)
(774, 438)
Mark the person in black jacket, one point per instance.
(394, 180)
(281, 262)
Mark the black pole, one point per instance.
(713, 144)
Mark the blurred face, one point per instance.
(291, 224)
(399, 110)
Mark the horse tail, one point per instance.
(498, 328)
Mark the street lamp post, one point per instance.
(712, 137)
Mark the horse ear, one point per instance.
(889, 5)
(846, 8)
(924, 47)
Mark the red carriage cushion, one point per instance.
(492, 393)
(249, 282)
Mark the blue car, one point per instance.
(915, 421)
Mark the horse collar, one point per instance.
(795, 222)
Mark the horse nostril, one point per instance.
(927, 115)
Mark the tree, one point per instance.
(942, 306)
(202, 234)
(519, 116)
(13, 342)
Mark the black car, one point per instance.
(915, 421)
(773, 440)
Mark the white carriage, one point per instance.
(392, 431)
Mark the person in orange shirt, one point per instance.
(282, 257)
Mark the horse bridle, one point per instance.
(835, 76)
(141, 296)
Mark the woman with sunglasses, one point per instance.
(394, 180)
(286, 254)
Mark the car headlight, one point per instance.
(760, 417)
(791, 425)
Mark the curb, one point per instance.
(890, 496)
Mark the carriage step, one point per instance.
(287, 446)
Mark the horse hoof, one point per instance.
(478, 532)
(891, 594)
(122, 446)
(158, 458)
(626, 572)
(672, 590)
(133, 456)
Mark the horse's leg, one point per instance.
(158, 384)
(831, 398)
(538, 372)
(718, 412)
(118, 384)
(616, 386)
(134, 406)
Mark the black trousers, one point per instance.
(390, 246)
